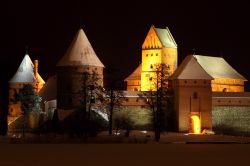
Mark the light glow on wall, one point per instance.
(196, 124)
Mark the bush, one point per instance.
(123, 122)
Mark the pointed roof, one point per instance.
(217, 67)
(136, 75)
(25, 72)
(165, 37)
(190, 69)
(49, 90)
(80, 52)
(205, 67)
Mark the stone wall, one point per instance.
(140, 116)
(233, 120)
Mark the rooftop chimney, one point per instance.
(36, 69)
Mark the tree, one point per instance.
(91, 89)
(157, 97)
(30, 101)
(113, 97)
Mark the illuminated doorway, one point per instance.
(195, 125)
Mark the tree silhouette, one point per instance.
(30, 101)
(157, 97)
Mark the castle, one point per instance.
(201, 84)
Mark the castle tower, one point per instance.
(192, 96)
(79, 58)
(159, 47)
(27, 73)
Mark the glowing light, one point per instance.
(196, 124)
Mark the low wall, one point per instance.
(233, 120)
(140, 116)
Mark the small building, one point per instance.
(225, 78)
(193, 83)
(134, 80)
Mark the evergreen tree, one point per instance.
(30, 101)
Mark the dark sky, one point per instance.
(117, 30)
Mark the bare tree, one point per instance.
(157, 96)
(113, 97)
(90, 92)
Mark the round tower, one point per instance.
(80, 58)
(27, 73)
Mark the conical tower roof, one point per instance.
(25, 72)
(80, 53)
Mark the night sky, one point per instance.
(117, 30)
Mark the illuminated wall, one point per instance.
(227, 85)
(134, 85)
(153, 54)
(192, 97)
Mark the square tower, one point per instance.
(159, 47)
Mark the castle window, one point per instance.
(137, 99)
(147, 55)
(185, 81)
(151, 54)
(156, 54)
(195, 82)
(224, 90)
(95, 68)
(218, 101)
(151, 66)
(150, 79)
(195, 95)
(229, 101)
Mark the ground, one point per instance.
(174, 149)
(123, 154)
